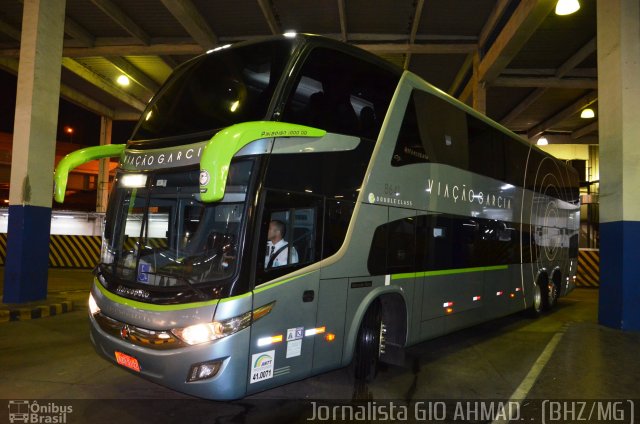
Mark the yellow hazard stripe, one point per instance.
(3, 247)
(61, 250)
(55, 258)
(67, 251)
(588, 268)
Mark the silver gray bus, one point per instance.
(293, 205)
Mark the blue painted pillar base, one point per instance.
(25, 273)
(620, 275)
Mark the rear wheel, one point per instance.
(369, 344)
(552, 295)
(538, 303)
(553, 291)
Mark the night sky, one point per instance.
(86, 125)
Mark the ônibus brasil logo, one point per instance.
(33, 412)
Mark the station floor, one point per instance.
(563, 355)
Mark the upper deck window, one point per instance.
(216, 90)
(340, 93)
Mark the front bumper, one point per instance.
(171, 367)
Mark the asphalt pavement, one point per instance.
(50, 366)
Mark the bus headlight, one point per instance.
(207, 332)
(93, 306)
(202, 333)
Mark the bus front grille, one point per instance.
(159, 340)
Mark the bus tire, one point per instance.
(553, 290)
(368, 344)
(538, 305)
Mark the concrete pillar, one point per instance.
(619, 131)
(594, 164)
(33, 153)
(106, 125)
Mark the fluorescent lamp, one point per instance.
(542, 141)
(290, 34)
(587, 113)
(567, 7)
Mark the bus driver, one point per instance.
(277, 248)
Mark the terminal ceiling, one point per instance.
(538, 69)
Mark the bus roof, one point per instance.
(252, 74)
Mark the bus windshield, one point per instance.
(159, 235)
(213, 91)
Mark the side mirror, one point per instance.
(77, 158)
(218, 152)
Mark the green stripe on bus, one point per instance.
(272, 285)
(448, 272)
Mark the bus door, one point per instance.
(282, 342)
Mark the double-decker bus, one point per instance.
(293, 205)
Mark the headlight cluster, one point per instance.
(206, 332)
(93, 306)
(201, 333)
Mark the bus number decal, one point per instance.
(262, 366)
(391, 189)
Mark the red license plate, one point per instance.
(127, 361)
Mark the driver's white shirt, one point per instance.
(283, 256)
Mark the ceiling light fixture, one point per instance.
(542, 141)
(587, 113)
(123, 80)
(567, 7)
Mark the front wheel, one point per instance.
(369, 344)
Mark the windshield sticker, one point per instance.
(262, 366)
(143, 273)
